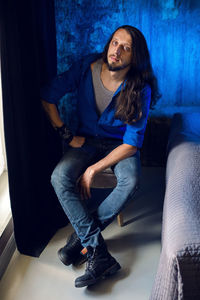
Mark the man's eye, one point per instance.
(114, 43)
(127, 49)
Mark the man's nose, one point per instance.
(118, 50)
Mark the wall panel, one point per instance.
(172, 30)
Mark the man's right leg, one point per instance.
(64, 180)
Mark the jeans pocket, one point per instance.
(88, 148)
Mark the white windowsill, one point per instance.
(5, 210)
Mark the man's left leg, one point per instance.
(127, 172)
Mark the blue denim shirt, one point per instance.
(79, 77)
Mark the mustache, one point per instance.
(115, 55)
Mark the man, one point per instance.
(114, 91)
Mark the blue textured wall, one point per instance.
(172, 31)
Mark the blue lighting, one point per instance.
(172, 31)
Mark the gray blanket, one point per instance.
(178, 275)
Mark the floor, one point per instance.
(136, 246)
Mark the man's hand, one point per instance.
(121, 152)
(77, 141)
(85, 182)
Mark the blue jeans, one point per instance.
(75, 161)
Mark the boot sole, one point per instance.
(110, 271)
(81, 259)
(64, 260)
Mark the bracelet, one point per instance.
(65, 133)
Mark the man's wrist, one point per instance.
(93, 170)
(65, 133)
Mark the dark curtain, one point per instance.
(28, 60)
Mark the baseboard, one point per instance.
(7, 247)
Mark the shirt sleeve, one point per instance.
(134, 134)
(67, 81)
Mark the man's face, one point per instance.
(120, 51)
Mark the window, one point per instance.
(3, 166)
(5, 211)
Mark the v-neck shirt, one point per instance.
(103, 96)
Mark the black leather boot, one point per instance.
(100, 265)
(71, 252)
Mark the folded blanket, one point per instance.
(178, 275)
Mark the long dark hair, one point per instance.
(128, 104)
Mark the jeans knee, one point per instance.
(129, 184)
(55, 178)
(59, 177)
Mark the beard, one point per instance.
(113, 68)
